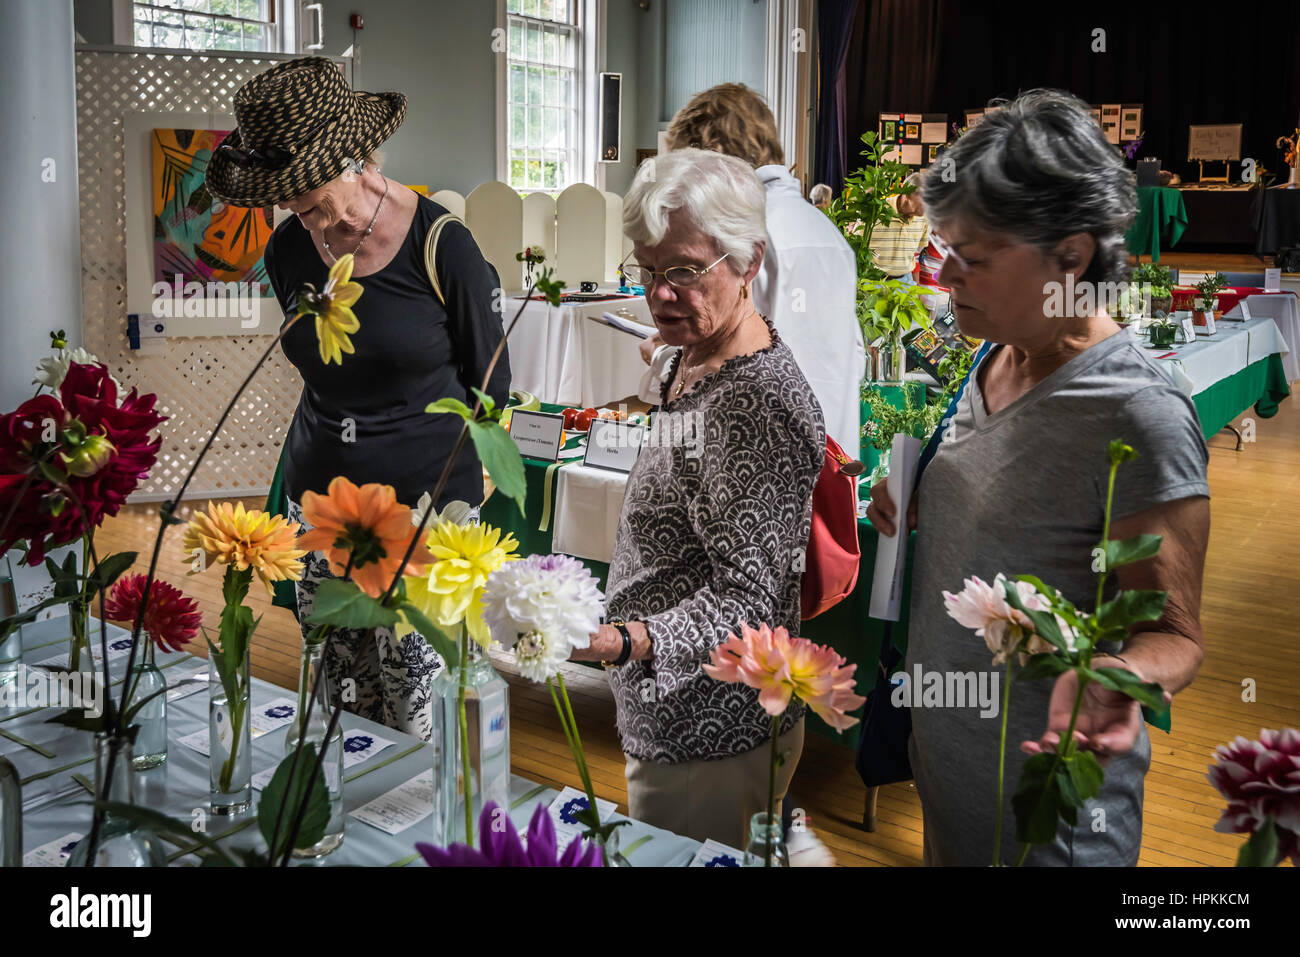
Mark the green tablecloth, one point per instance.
(1161, 215)
(1261, 384)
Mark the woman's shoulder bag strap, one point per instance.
(431, 251)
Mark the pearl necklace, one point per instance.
(369, 229)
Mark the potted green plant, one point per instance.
(887, 308)
(1207, 299)
(1163, 331)
(1160, 281)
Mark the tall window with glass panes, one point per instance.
(241, 25)
(543, 94)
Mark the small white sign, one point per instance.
(1272, 280)
(537, 434)
(1189, 329)
(614, 445)
(407, 804)
(1245, 310)
(1209, 322)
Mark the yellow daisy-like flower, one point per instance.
(451, 590)
(332, 307)
(231, 535)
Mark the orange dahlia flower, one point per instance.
(365, 526)
(780, 667)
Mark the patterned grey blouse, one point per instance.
(714, 524)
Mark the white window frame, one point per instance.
(287, 15)
(590, 22)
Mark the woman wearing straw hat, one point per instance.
(305, 142)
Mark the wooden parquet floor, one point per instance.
(1252, 634)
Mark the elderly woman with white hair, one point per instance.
(1019, 483)
(713, 527)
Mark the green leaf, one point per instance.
(281, 791)
(109, 570)
(342, 604)
(450, 406)
(78, 719)
(488, 402)
(1130, 550)
(1262, 848)
(234, 587)
(1086, 774)
(229, 680)
(1035, 801)
(434, 635)
(1121, 679)
(1042, 666)
(1130, 607)
(500, 456)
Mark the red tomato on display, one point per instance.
(583, 422)
(570, 418)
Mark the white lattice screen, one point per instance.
(194, 378)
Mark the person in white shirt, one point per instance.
(807, 285)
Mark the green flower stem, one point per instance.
(464, 733)
(1002, 764)
(579, 754)
(237, 715)
(1066, 751)
(771, 791)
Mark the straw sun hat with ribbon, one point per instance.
(300, 126)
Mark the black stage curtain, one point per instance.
(1186, 63)
(834, 27)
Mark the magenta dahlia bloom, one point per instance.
(171, 620)
(502, 847)
(1261, 779)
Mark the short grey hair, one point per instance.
(821, 193)
(720, 194)
(1039, 169)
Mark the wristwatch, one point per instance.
(626, 653)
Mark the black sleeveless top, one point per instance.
(365, 419)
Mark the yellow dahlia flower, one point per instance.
(231, 535)
(451, 589)
(332, 307)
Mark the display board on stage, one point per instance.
(1214, 143)
(913, 139)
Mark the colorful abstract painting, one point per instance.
(195, 236)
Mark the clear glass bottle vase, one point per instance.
(150, 748)
(765, 839)
(230, 741)
(11, 815)
(121, 842)
(313, 682)
(487, 713)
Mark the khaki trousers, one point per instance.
(711, 799)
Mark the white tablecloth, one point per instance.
(562, 355)
(1196, 366)
(1282, 309)
(588, 502)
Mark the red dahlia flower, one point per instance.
(99, 447)
(171, 620)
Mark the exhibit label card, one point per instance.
(407, 804)
(537, 434)
(614, 445)
(1272, 280)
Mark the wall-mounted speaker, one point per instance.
(611, 115)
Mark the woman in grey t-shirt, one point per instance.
(1018, 485)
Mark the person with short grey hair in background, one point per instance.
(713, 538)
(820, 196)
(1019, 483)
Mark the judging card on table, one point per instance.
(117, 648)
(358, 746)
(198, 678)
(569, 802)
(537, 434)
(714, 854)
(53, 854)
(265, 719)
(407, 804)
